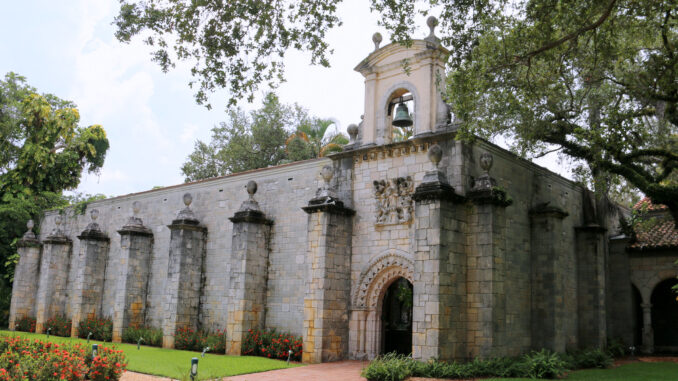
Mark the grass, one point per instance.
(173, 363)
(655, 371)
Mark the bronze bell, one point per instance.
(402, 116)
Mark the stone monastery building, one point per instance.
(499, 255)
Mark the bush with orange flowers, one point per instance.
(192, 340)
(101, 328)
(25, 359)
(271, 344)
(61, 326)
(25, 324)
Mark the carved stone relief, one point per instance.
(394, 200)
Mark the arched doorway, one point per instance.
(396, 318)
(665, 316)
(381, 276)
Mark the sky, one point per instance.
(68, 48)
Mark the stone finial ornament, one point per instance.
(325, 192)
(435, 154)
(432, 22)
(327, 173)
(486, 161)
(136, 208)
(376, 38)
(29, 233)
(94, 226)
(352, 130)
(186, 214)
(56, 232)
(250, 204)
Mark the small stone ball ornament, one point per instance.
(188, 199)
(352, 132)
(251, 187)
(136, 207)
(432, 22)
(327, 173)
(486, 161)
(94, 214)
(376, 38)
(30, 224)
(57, 220)
(435, 154)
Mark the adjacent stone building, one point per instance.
(428, 244)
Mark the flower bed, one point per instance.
(60, 326)
(271, 344)
(23, 359)
(25, 324)
(192, 340)
(101, 328)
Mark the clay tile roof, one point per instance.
(647, 204)
(655, 233)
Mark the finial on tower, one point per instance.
(376, 38)
(432, 22)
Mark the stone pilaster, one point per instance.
(26, 274)
(249, 270)
(548, 310)
(486, 271)
(131, 285)
(184, 274)
(327, 298)
(90, 273)
(439, 287)
(648, 333)
(619, 304)
(53, 280)
(591, 274)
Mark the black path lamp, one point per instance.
(48, 331)
(88, 336)
(204, 350)
(139, 343)
(95, 350)
(194, 368)
(289, 355)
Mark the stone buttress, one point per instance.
(184, 274)
(53, 282)
(328, 288)
(249, 270)
(26, 275)
(90, 274)
(439, 288)
(131, 283)
(486, 266)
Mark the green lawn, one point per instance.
(638, 371)
(174, 363)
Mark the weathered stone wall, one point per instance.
(282, 192)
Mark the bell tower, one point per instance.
(395, 74)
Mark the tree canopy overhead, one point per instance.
(592, 79)
(235, 44)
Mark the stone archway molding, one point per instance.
(381, 270)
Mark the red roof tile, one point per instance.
(656, 231)
(646, 204)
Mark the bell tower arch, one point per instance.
(418, 72)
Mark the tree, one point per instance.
(235, 44)
(313, 140)
(43, 153)
(594, 80)
(251, 141)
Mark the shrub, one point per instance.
(591, 358)
(101, 328)
(192, 340)
(544, 364)
(60, 326)
(25, 324)
(393, 367)
(616, 348)
(271, 344)
(152, 336)
(23, 359)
